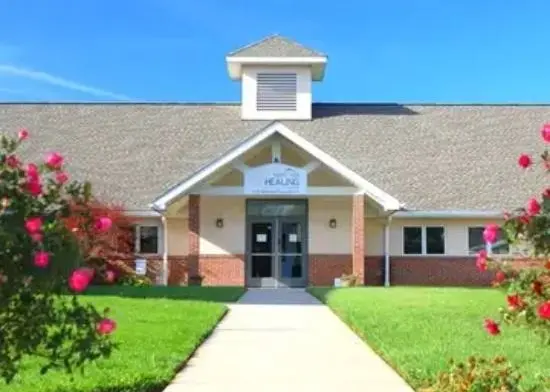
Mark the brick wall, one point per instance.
(438, 271)
(222, 270)
(374, 270)
(358, 237)
(323, 269)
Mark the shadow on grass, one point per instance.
(195, 293)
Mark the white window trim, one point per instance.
(424, 242)
(160, 239)
(488, 246)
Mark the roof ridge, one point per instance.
(288, 40)
(257, 42)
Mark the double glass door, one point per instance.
(276, 252)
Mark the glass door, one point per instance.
(261, 268)
(290, 253)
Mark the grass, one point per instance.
(417, 330)
(156, 335)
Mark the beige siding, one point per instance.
(324, 176)
(374, 237)
(229, 239)
(323, 239)
(177, 236)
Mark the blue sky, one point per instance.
(467, 51)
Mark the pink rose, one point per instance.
(54, 161)
(32, 172)
(61, 177)
(106, 326)
(33, 225)
(103, 224)
(80, 279)
(533, 207)
(41, 259)
(545, 132)
(524, 161)
(490, 233)
(33, 187)
(110, 276)
(23, 134)
(481, 261)
(12, 161)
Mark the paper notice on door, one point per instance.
(261, 237)
(292, 238)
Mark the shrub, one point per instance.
(39, 257)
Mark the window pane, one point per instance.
(435, 240)
(475, 239)
(148, 239)
(500, 247)
(412, 240)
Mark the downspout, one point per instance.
(164, 246)
(164, 251)
(387, 277)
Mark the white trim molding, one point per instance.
(458, 214)
(311, 191)
(386, 201)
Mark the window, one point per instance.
(419, 240)
(435, 240)
(147, 239)
(412, 240)
(477, 243)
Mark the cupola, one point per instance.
(276, 74)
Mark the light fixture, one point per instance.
(332, 223)
(219, 223)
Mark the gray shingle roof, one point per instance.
(275, 46)
(429, 157)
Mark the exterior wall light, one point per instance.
(332, 223)
(219, 223)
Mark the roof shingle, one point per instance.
(275, 46)
(432, 157)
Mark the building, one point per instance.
(279, 191)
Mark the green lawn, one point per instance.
(155, 336)
(417, 330)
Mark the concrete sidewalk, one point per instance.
(284, 340)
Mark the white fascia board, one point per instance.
(388, 202)
(456, 214)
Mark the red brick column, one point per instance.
(358, 237)
(194, 229)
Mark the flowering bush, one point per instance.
(40, 263)
(526, 284)
(478, 375)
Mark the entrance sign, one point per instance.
(275, 179)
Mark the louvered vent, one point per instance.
(276, 91)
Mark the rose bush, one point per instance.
(527, 283)
(41, 266)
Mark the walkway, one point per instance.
(284, 340)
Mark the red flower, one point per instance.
(546, 193)
(545, 132)
(533, 207)
(110, 276)
(514, 302)
(524, 161)
(492, 327)
(41, 259)
(507, 216)
(481, 261)
(106, 326)
(37, 237)
(23, 134)
(34, 187)
(544, 310)
(12, 161)
(54, 161)
(547, 265)
(490, 233)
(80, 279)
(500, 277)
(103, 224)
(537, 288)
(61, 177)
(32, 172)
(33, 225)
(525, 219)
